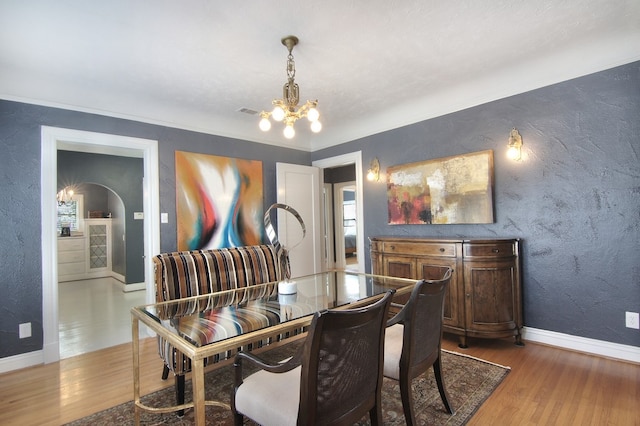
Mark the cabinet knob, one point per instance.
(441, 249)
(496, 251)
(392, 247)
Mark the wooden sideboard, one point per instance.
(484, 298)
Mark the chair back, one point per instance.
(342, 365)
(423, 325)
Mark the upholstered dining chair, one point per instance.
(413, 341)
(334, 378)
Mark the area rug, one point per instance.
(470, 381)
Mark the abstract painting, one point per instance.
(219, 201)
(448, 190)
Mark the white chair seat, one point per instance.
(393, 350)
(270, 398)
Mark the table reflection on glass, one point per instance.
(206, 325)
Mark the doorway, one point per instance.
(354, 159)
(345, 228)
(53, 139)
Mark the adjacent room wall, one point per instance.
(573, 200)
(124, 176)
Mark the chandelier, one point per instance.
(285, 109)
(64, 196)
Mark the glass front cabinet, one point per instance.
(98, 247)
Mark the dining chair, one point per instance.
(334, 378)
(413, 341)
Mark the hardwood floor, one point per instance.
(546, 386)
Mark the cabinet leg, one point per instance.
(463, 342)
(519, 341)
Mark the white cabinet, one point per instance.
(86, 256)
(72, 258)
(98, 233)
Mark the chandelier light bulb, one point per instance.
(313, 114)
(316, 126)
(278, 113)
(289, 131)
(265, 124)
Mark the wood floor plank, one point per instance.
(546, 385)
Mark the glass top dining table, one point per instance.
(210, 324)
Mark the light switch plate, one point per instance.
(164, 217)
(24, 330)
(138, 215)
(632, 320)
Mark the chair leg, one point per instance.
(407, 400)
(238, 419)
(165, 372)
(375, 414)
(437, 371)
(179, 383)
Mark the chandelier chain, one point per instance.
(291, 67)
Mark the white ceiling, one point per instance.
(373, 65)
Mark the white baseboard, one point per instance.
(582, 344)
(126, 288)
(17, 362)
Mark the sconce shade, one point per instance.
(514, 150)
(373, 174)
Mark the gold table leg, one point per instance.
(135, 335)
(198, 391)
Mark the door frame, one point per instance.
(53, 139)
(354, 158)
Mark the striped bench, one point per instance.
(192, 273)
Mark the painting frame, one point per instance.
(442, 191)
(219, 201)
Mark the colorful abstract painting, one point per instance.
(219, 201)
(442, 191)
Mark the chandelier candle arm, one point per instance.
(285, 109)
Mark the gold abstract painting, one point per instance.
(219, 201)
(448, 190)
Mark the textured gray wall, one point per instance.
(574, 199)
(20, 224)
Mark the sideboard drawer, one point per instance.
(69, 243)
(71, 256)
(65, 269)
(497, 249)
(421, 249)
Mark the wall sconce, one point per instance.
(514, 152)
(373, 174)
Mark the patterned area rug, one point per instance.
(470, 381)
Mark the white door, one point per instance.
(300, 187)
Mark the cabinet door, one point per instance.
(400, 266)
(492, 296)
(98, 247)
(434, 269)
